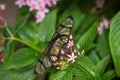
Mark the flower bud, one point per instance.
(2, 16)
(1, 22)
(78, 47)
(1, 57)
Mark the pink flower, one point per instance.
(28, 2)
(1, 58)
(39, 16)
(34, 5)
(100, 28)
(72, 57)
(20, 3)
(100, 3)
(47, 2)
(43, 10)
(2, 7)
(38, 5)
(106, 23)
(41, 3)
(70, 44)
(2, 17)
(54, 1)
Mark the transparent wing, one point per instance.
(52, 53)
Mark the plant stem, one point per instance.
(19, 40)
(9, 32)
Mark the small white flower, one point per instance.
(72, 57)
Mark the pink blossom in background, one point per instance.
(33, 5)
(100, 3)
(39, 5)
(39, 16)
(106, 23)
(20, 3)
(54, 1)
(1, 57)
(43, 10)
(100, 28)
(47, 3)
(2, 7)
(2, 16)
(103, 24)
(28, 2)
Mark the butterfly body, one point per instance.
(52, 53)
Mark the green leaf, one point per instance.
(30, 36)
(20, 23)
(91, 46)
(58, 76)
(86, 22)
(86, 65)
(94, 57)
(88, 37)
(47, 26)
(114, 41)
(100, 68)
(62, 75)
(109, 75)
(35, 36)
(26, 73)
(103, 39)
(22, 58)
(79, 74)
(81, 78)
(73, 10)
(8, 52)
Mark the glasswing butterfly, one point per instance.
(58, 42)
